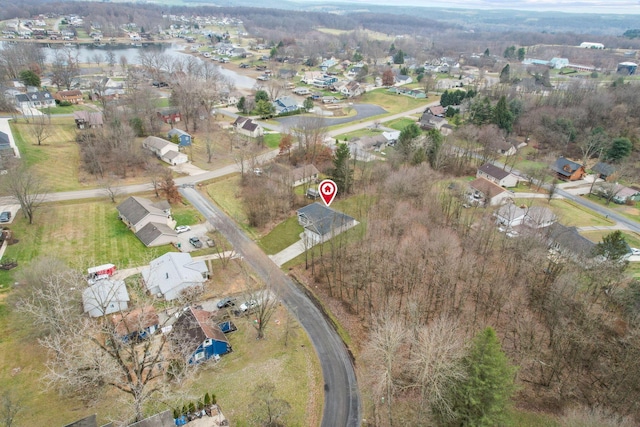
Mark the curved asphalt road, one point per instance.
(363, 111)
(341, 397)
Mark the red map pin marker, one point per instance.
(328, 190)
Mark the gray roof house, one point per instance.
(604, 170)
(151, 222)
(166, 151)
(510, 215)
(173, 272)
(246, 126)
(304, 174)
(35, 100)
(105, 297)
(497, 175)
(285, 104)
(568, 242)
(321, 223)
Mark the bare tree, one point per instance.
(27, 187)
(110, 188)
(311, 132)
(39, 128)
(65, 67)
(266, 304)
(267, 409)
(10, 407)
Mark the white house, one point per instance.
(510, 215)
(152, 223)
(105, 297)
(497, 176)
(172, 273)
(246, 126)
(539, 217)
(35, 100)
(166, 151)
(321, 223)
(304, 174)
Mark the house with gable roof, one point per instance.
(169, 275)
(166, 151)
(246, 126)
(321, 223)
(568, 170)
(497, 175)
(304, 174)
(151, 222)
(105, 297)
(285, 104)
(202, 338)
(485, 191)
(40, 99)
(184, 139)
(137, 324)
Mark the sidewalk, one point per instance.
(287, 254)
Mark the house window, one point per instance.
(198, 356)
(208, 342)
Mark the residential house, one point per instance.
(324, 81)
(503, 147)
(370, 143)
(620, 193)
(199, 336)
(391, 136)
(248, 127)
(304, 174)
(151, 222)
(604, 170)
(105, 297)
(310, 76)
(166, 151)
(568, 242)
(539, 217)
(172, 273)
(511, 215)
(37, 100)
(285, 104)
(351, 89)
(436, 110)
(327, 63)
(302, 91)
(88, 119)
(73, 96)
(184, 139)
(401, 79)
(429, 121)
(237, 52)
(6, 150)
(169, 115)
(321, 223)
(330, 99)
(568, 170)
(136, 324)
(354, 71)
(497, 175)
(488, 193)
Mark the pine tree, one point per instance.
(483, 398)
(613, 246)
(502, 116)
(505, 74)
(342, 174)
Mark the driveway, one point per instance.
(10, 208)
(341, 395)
(4, 127)
(363, 111)
(199, 231)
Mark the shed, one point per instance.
(184, 139)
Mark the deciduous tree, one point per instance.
(27, 187)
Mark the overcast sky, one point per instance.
(576, 6)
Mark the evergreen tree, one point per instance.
(613, 246)
(510, 52)
(505, 74)
(481, 112)
(265, 109)
(483, 397)
(262, 95)
(406, 138)
(398, 58)
(29, 78)
(521, 53)
(308, 104)
(502, 116)
(342, 174)
(242, 105)
(620, 148)
(436, 139)
(486, 52)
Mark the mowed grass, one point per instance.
(282, 236)
(393, 103)
(570, 213)
(81, 234)
(633, 239)
(57, 159)
(399, 124)
(225, 192)
(294, 370)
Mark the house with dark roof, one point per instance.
(488, 193)
(321, 223)
(246, 126)
(568, 170)
(166, 151)
(105, 297)
(304, 174)
(184, 139)
(604, 170)
(170, 274)
(436, 110)
(497, 175)
(151, 222)
(568, 242)
(201, 338)
(351, 89)
(429, 121)
(41, 99)
(285, 104)
(6, 150)
(88, 119)
(137, 324)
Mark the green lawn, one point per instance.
(186, 214)
(81, 234)
(570, 213)
(272, 140)
(357, 134)
(282, 236)
(633, 239)
(65, 110)
(393, 103)
(225, 192)
(399, 124)
(631, 212)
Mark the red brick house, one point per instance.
(72, 96)
(170, 115)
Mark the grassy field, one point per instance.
(225, 192)
(631, 212)
(282, 236)
(272, 140)
(570, 213)
(399, 124)
(393, 103)
(82, 234)
(633, 239)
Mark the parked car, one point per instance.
(248, 305)
(195, 242)
(226, 302)
(182, 229)
(5, 216)
(634, 251)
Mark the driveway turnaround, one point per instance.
(341, 395)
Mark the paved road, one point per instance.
(342, 398)
(363, 111)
